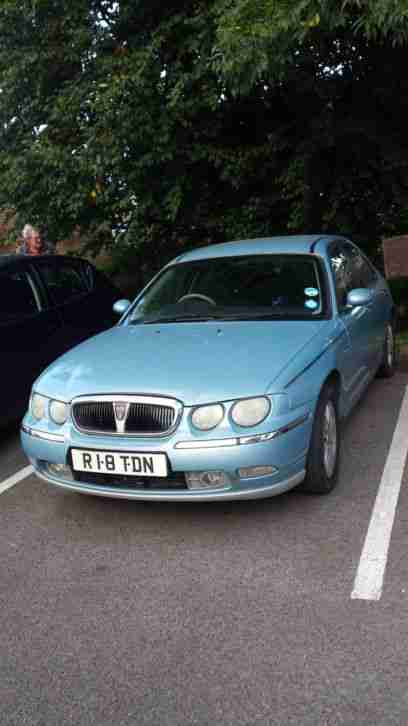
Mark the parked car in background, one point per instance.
(225, 379)
(47, 305)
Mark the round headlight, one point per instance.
(207, 417)
(38, 406)
(58, 412)
(251, 411)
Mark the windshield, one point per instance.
(234, 288)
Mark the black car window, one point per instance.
(18, 295)
(88, 273)
(64, 281)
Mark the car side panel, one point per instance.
(335, 358)
(28, 346)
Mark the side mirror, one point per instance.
(121, 306)
(359, 297)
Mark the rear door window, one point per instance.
(64, 281)
(19, 296)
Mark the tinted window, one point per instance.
(18, 295)
(88, 273)
(64, 281)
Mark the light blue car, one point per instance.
(226, 378)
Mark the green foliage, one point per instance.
(399, 290)
(258, 39)
(159, 126)
(8, 241)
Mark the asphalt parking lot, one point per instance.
(290, 610)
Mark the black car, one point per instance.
(47, 305)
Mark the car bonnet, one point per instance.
(193, 362)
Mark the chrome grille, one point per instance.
(145, 416)
(95, 416)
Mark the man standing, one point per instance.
(33, 243)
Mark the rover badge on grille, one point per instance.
(121, 410)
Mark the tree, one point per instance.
(342, 71)
(157, 126)
(263, 38)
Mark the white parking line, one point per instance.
(369, 579)
(18, 476)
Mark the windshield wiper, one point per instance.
(254, 316)
(199, 317)
(185, 318)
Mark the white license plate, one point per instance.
(123, 463)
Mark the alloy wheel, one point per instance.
(329, 439)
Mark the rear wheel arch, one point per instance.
(334, 379)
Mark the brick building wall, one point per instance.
(7, 221)
(395, 252)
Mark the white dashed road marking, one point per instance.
(18, 476)
(369, 579)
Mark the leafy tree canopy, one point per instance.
(155, 126)
(263, 38)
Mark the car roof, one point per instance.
(289, 244)
(6, 260)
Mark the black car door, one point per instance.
(102, 296)
(84, 309)
(29, 332)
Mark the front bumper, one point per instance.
(284, 449)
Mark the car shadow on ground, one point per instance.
(175, 519)
(8, 433)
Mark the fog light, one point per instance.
(60, 470)
(250, 472)
(206, 479)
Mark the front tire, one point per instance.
(322, 464)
